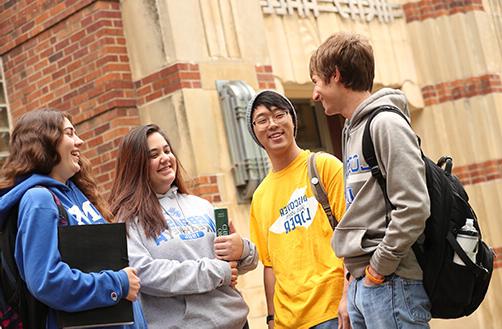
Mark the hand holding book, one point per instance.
(134, 284)
(226, 246)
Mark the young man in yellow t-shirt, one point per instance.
(303, 279)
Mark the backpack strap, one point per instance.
(318, 189)
(370, 156)
(62, 214)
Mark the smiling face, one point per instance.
(326, 94)
(69, 152)
(162, 165)
(276, 131)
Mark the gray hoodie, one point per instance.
(362, 236)
(183, 285)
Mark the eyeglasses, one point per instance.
(278, 116)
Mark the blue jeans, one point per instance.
(397, 303)
(330, 324)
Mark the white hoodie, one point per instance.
(183, 285)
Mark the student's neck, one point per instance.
(352, 101)
(282, 159)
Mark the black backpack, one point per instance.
(454, 290)
(18, 308)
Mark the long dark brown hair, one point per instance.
(132, 194)
(33, 150)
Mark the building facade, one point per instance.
(186, 65)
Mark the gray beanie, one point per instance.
(250, 110)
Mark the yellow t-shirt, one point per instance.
(293, 234)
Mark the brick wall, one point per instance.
(71, 55)
(265, 76)
(481, 172)
(166, 81)
(498, 257)
(206, 187)
(462, 88)
(422, 10)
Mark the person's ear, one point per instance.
(336, 77)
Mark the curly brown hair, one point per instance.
(33, 149)
(132, 194)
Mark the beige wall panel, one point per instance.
(465, 322)
(250, 30)
(490, 49)
(227, 70)
(302, 39)
(255, 298)
(169, 113)
(435, 62)
(278, 46)
(487, 130)
(469, 129)
(461, 42)
(467, 40)
(382, 50)
(208, 137)
(486, 200)
(403, 52)
(450, 55)
(329, 23)
(229, 28)
(420, 51)
(144, 40)
(182, 29)
(473, 35)
(497, 112)
(213, 29)
(220, 29)
(393, 56)
(460, 132)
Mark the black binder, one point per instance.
(92, 248)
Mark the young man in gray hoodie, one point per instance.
(386, 289)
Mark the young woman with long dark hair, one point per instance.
(187, 273)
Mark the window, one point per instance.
(4, 118)
(316, 131)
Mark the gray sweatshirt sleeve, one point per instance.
(167, 278)
(249, 259)
(399, 156)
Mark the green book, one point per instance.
(221, 217)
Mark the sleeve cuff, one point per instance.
(245, 249)
(382, 265)
(124, 282)
(227, 273)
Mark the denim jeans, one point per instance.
(330, 324)
(397, 303)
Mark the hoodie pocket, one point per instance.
(348, 242)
